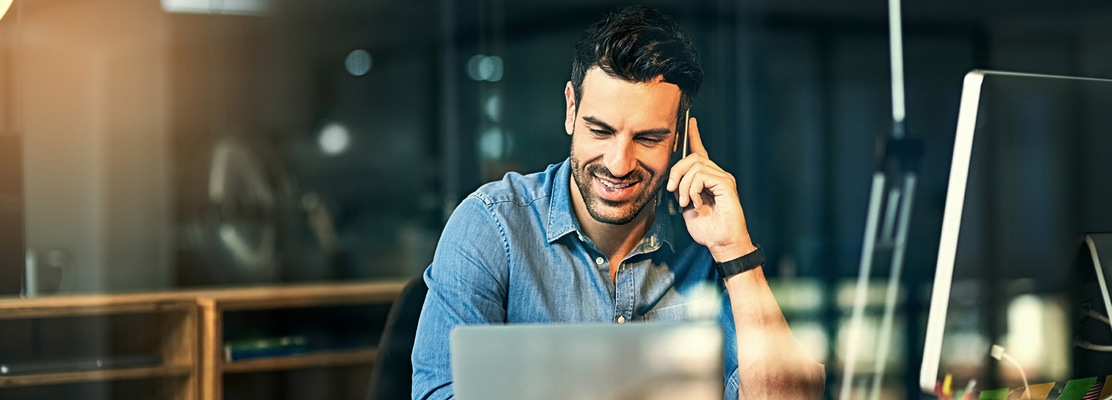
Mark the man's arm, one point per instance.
(465, 287)
(772, 364)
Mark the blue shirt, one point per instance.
(513, 252)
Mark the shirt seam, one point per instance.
(505, 244)
(525, 201)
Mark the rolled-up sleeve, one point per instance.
(732, 386)
(467, 285)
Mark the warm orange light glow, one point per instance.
(4, 4)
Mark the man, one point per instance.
(591, 239)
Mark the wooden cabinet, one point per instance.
(99, 347)
(175, 345)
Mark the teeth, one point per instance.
(612, 186)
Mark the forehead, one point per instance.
(640, 105)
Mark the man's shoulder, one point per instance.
(517, 189)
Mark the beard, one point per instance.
(608, 211)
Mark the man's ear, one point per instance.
(569, 113)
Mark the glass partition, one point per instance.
(162, 144)
(186, 143)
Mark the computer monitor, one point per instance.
(1031, 176)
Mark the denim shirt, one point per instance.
(513, 252)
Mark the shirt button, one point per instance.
(621, 319)
(599, 261)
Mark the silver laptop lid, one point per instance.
(588, 361)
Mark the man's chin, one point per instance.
(612, 215)
(616, 222)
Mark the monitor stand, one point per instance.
(1101, 244)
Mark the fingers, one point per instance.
(687, 182)
(696, 172)
(695, 192)
(694, 175)
(678, 171)
(684, 165)
(695, 139)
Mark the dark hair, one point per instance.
(637, 44)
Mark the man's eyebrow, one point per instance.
(600, 124)
(655, 132)
(605, 126)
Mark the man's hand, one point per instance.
(709, 199)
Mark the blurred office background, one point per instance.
(149, 145)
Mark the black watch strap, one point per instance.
(741, 264)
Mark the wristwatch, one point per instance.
(741, 264)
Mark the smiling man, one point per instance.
(592, 239)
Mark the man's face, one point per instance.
(623, 135)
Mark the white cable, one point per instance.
(969, 387)
(998, 353)
(1091, 346)
(1098, 316)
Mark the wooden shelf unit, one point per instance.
(215, 305)
(186, 329)
(168, 329)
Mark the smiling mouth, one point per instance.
(614, 193)
(615, 186)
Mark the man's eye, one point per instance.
(600, 132)
(649, 139)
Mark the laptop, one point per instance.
(588, 361)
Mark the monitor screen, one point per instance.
(1031, 175)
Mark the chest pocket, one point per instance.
(672, 313)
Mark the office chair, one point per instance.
(392, 376)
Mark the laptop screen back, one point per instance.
(588, 361)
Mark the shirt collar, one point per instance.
(561, 216)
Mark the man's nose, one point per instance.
(621, 160)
